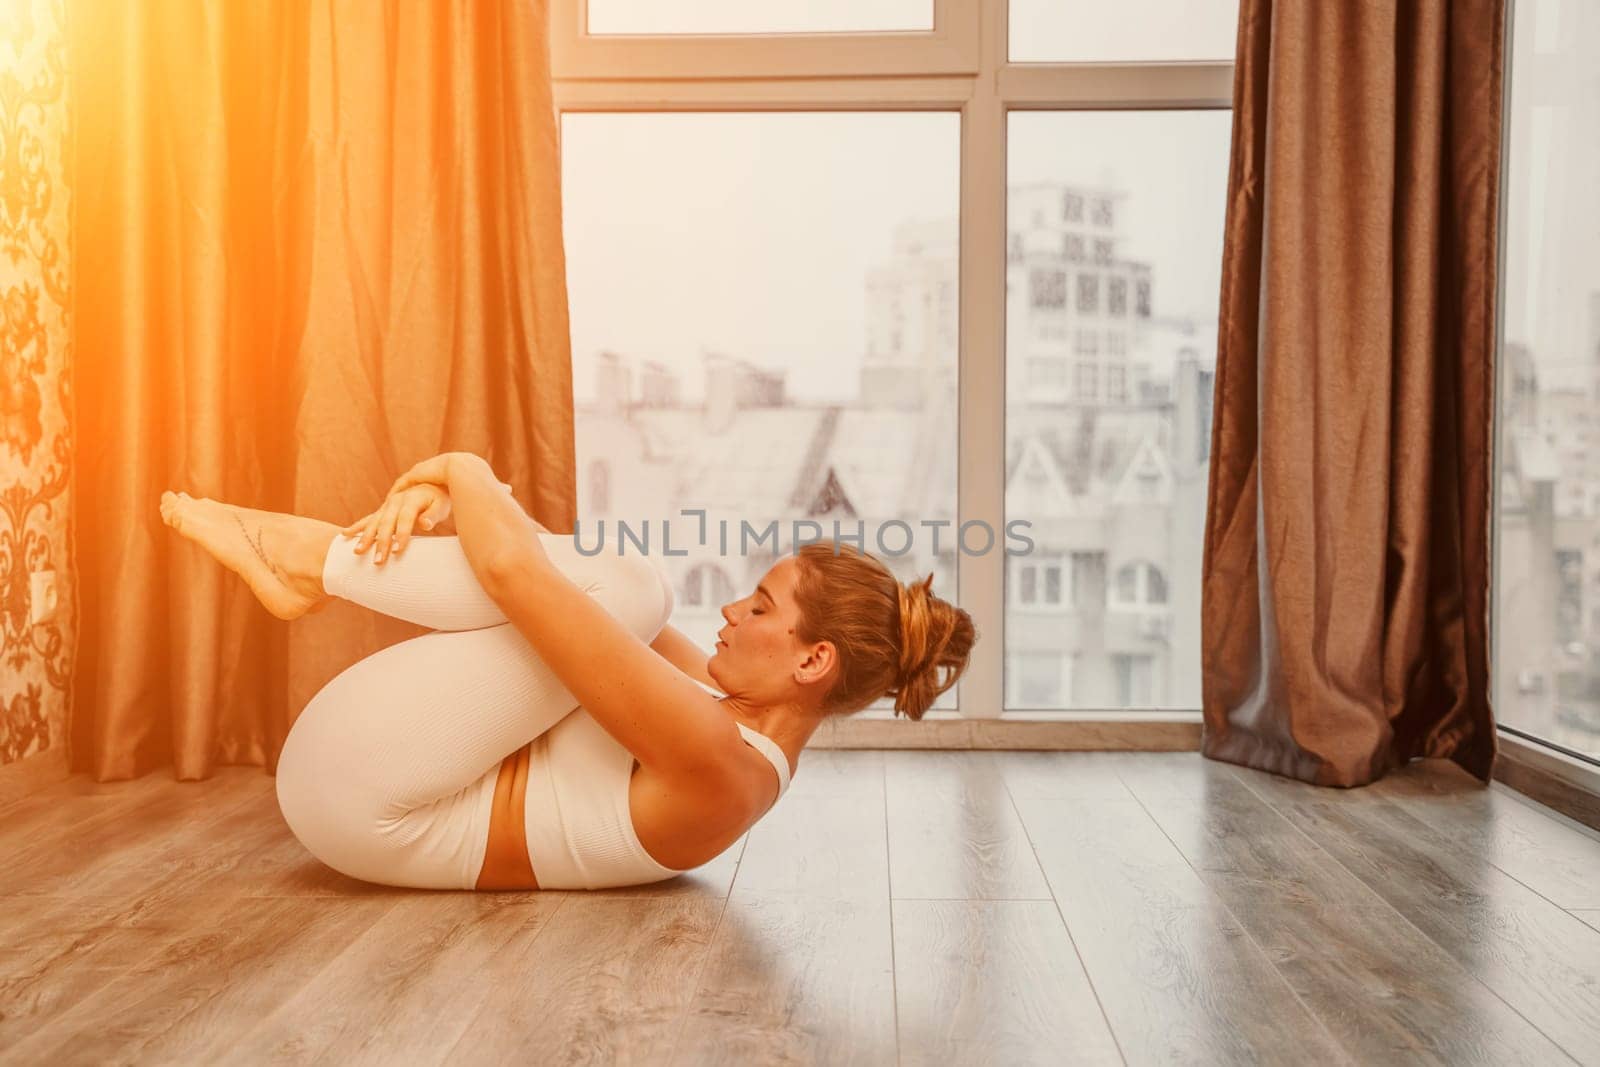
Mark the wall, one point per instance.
(35, 393)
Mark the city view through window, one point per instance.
(1546, 598)
(765, 316)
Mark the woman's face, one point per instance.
(757, 651)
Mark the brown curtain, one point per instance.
(1346, 567)
(317, 243)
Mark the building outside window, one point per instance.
(1088, 292)
(1088, 382)
(1117, 296)
(1139, 585)
(1117, 383)
(1049, 288)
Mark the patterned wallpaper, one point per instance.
(35, 386)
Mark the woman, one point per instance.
(556, 733)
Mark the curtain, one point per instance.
(1346, 560)
(317, 243)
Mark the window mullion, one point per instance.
(981, 453)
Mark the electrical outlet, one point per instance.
(42, 596)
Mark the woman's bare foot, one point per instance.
(279, 556)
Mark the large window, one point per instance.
(875, 263)
(768, 16)
(1128, 30)
(1547, 494)
(763, 311)
(1130, 445)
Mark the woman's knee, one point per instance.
(628, 583)
(639, 595)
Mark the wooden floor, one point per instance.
(897, 907)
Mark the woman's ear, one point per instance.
(819, 663)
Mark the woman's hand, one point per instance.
(424, 502)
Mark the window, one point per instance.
(1088, 382)
(1129, 30)
(1049, 288)
(1117, 296)
(1047, 373)
(1072, 247)
(770, 16)
(707, 586)
(1039, 679)
(1088, 291)
(1139, 585)
(1135, 680)
(1546, 636)
(1038, 583)
(1088, 579)
(764, 207)
(1117, 383)
(1102, 251)
(599, 502)
(779, 414)
(1130, 439)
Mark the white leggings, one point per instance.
(389, 772)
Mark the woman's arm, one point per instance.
(489, 522)
(647, 704)
(671, 644)
(674, 646)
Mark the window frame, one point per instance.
(1561, 763)
(951, 47)
(963, 66)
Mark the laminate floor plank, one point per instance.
(993, 982)
(74, 801)
(119, 825)
(1178, 976)
(1540, 960)
(824, 840)
(791, 978)
(953, 831)
(1337, 942)
(912, 907)
(1520, 838)
(801, 966)
(607, 981)
(207, 972)
(409, 987)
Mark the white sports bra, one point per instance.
(761, 743)
(579, 827)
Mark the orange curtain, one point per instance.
(316, 243)
(1346, 566)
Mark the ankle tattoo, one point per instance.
(255, 546)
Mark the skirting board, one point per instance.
(1554, 779)
(1146, 735)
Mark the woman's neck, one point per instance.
(789, 725)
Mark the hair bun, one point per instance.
(913, 628)
(933, 634)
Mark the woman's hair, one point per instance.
(893, 638)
